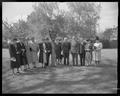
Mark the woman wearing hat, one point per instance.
(14, 56)
(28, 52)
(97, 51)
(88, 52)
(34, 49)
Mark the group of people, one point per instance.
(26, 51)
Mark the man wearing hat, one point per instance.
(82, 51)
(58, 49)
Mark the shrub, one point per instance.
(4, 45)
(109, 44)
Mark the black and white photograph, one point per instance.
(59, 47)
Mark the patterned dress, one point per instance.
(97, 51)
(88, 54)
(28, 52)
(34, 49)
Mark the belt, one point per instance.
(87, 50)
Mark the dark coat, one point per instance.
(81, 48)
(74, 46)
(48, 46)
(58, 49)
(19, 53)
(66, 47)
(41, 52)
(23, 54)
(14, 53)
(23, 49)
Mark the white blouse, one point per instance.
(98, 46)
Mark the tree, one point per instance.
(7, 30)
(41, 21)
(87, 15)
(108, 33)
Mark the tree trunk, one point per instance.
(53, 56)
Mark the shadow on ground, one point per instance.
(68, 79)
(100, 78)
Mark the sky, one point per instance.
(12, 11)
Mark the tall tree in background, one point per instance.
(42, 20)
(18, 29)
(81, 19)
(108, 33)
(87, 15)
(6, 30)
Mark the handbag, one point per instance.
(13, 59)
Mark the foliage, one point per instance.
(107, 33)
(86, 15)
(81, 19)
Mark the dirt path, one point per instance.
(63, 79)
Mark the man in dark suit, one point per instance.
(82, 52)
(61, 57)
(65, 51)
(48, 50)
(58, 49)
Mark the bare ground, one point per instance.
(64, 79)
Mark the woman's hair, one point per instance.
(97, 38)
(14, 39)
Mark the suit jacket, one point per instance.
(48, 46)
(41, 52)
(58, 48)
(23, 49)
(12, 50)
(66, 47)
(81, 48)
(18, 48)
(74, 46)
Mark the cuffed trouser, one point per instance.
(47, 58)
(82, 59)
(75, 58)
(66, 58)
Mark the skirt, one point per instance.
(88, 56)
(97, 56)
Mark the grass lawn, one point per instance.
(64, 79)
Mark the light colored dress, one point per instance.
(73, 46)
(97, 51)
(28, 52)
(44, 54)
(88, 54)
(35, 49)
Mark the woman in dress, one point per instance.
(28, 52)
(14, 57)
(34, 49)
(97, 51)
(88, 52)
